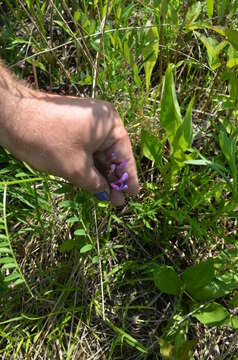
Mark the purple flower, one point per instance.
(120, 183)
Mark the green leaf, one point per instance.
(170, 117)
(150, 53)
(77, 16)
(198, 162)
(3, 244)
(11, 277)
(166, 349)
(80, 232)
(221, 7)
(228, 147)
(220, 286)
(212, 314)
(184, 136)
(232, 62)
(234, 301)
(197, 276)
(73, 219)
(167, 280)
(193, 13)
(151, 148)
(164, 7)
(9, 266)
(6, 260)
(4, 250)
(86, 248)
(136, 75)
(214, 48)
(184, 351)
(127, 53)
(67, 245)
(210, 8)
(232, 36)
(18, 282)
(234, 322)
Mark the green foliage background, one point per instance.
(163, 284)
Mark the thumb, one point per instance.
(92, 180)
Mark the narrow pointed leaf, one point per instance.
(6, 260)
(184, 136)
(150, 53)
(170, 117)
(4, 250)
(210, 8)
(18, 282)
(3, 244)
(9, 266)
(12, 277)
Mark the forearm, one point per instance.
(7, 103)
(11, 93)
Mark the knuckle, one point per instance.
(73, 174)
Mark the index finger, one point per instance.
(121, 151)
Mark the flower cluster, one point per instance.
(120, 183)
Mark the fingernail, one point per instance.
(102, 196)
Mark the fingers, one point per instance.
(122, 152)
(87, 176)
(117, 159)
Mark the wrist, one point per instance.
(10, 115)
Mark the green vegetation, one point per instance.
(158, 278)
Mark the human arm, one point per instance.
(65, 136)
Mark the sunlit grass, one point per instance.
(59, 310)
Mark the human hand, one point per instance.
(75, 139)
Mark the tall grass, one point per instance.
(163, 281)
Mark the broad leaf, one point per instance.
(80, 232)
(232, 62)
(67, 245)
(150, 146)
(86, 248)
(170, 117)
(212, 314)
(150, 53)
(234, 301)
(193, 13)
(167, 280)
(234, 322)
(213, 49)
(232, 36)
(197, 276)
(220, 286)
